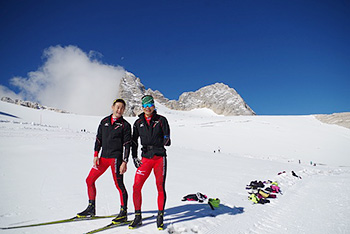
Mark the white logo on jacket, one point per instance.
(118, 125)
(139, 172)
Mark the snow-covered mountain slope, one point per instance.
(341, 119)
(46, 156)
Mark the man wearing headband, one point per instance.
(114, 137)
(154, 132)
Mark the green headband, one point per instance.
(147, 99)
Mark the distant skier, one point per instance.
(154, 132)
(114, 137)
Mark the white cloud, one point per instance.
(6, 92)
(72, 80)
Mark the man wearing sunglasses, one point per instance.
(154, 132)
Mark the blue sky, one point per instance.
(282, 57)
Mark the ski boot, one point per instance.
(160, 217)
(137, 221)
(90, 211)
(122, 217)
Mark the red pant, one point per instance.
(159, 166)
(118, 178)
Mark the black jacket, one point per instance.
(112, 138)
(153, 137)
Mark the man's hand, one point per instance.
(123, 168)
(96, 162)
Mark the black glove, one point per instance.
(137, 162)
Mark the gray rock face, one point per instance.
(131, 90)
(218, 97)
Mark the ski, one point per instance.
(74, 219)
(112, 225)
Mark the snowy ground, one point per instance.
(45, 157)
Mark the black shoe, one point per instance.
(160, 217)
(90, 211)
(122, 217)
(137, 221)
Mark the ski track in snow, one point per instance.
(283, 214)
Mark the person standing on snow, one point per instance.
(154, 132)
(114, 137)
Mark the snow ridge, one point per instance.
(33, 105)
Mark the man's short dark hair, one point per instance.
(119, 100)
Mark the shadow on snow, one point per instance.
(196, 211)
(6, 114)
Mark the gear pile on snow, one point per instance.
(195, 197)
(261, 191)
(200, 197)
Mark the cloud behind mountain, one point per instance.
(72, 80)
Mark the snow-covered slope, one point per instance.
(46, 156)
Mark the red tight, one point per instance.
(95, 173)
(159, 166)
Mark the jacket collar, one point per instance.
(118, 119)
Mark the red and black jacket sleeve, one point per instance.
(134, 139)
(166, 131)
(126, 141)
(98, 141)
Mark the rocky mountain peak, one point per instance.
(218, 97)
(131, 90)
